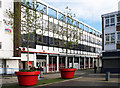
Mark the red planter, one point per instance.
(67, 73)
(27, 78)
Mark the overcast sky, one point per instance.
(87, 11)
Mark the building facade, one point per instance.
(111, 42)
(7, 61)
(47, 48)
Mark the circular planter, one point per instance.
(67, 73)
(27, 78)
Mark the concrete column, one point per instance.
(47, 63)
(93, 63)
(84, 63)
(73, 62)
(35, 60)
(57, 63)
(79, 63)
(89, 62)
(66, 60)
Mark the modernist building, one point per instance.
(47, 48)
(111, 42)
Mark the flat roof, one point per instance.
(112, 13)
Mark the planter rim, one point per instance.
(27, 73)
(67, 69)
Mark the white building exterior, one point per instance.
(111, 42)
(45, 52)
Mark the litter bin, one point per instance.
(107, 76)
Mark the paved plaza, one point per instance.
(86, 78)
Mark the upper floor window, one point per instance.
(107, 38)
(118, 19)
(109, 21)
(110, 38)
(118, 37)
(0, 45)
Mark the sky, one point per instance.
(87, 11)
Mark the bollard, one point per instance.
(107, 76)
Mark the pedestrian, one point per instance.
(38, 69)
(95, 68)
(41, 72)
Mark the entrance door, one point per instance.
(52, 63)
(4, 67)
(62, 62)
(70, 61)
(41, 61)
(81, 63)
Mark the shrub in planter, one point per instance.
(67, 73)
(27, 77)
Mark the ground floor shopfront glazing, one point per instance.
(52, 62)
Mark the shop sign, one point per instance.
(8, 30)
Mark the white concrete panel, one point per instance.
(12, 66)
(72, 51)
(109, 47)
(50, 48)
(60, 50)
(24, 57)
(38, 47)
(110, 29)
(45, 48)
(56, 49)
(68, 51)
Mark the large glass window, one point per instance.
(118, 37)
(81, 26)
(52, 12)
(61, 17)
(42, 8)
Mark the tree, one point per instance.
(70, 35)
(29, 22)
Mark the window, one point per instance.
(118, 19)
(52, 12)
(51, 40)
(118, 37)
(39, 38)
(110, 38)
(45, 39)
(41, 8)
(107, 38)
(107, 22)
(0, 45)
(110, 21)
(113, 38)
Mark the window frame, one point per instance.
(110, 23)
